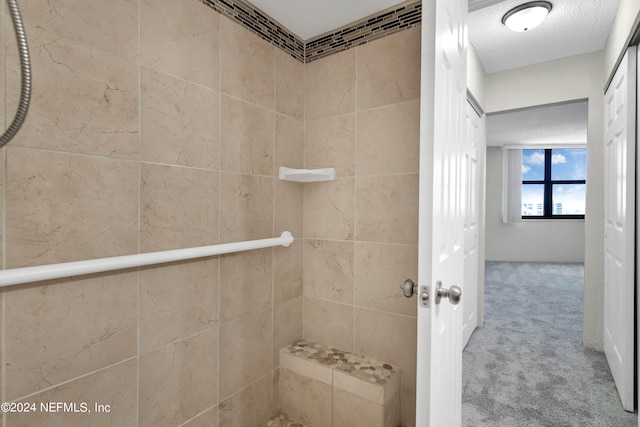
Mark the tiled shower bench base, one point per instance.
(325, 387)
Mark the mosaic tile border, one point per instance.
(260, 24)
(404, 16)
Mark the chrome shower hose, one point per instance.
(25, 90)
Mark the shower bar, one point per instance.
(16, 276)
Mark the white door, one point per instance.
(619, 229)
(441, 236)
(470, 170)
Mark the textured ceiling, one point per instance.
(310, 18)
(572, 27)
(479, 4)
(548, 125)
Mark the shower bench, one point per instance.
(326, 387)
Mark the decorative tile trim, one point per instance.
(260, 24)
(402, 17)
(391, 21)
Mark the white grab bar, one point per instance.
(16, 276)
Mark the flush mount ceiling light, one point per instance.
(526, 16)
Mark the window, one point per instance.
(554, 183)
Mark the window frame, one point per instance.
(548, 189)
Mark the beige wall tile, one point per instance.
(330, 85)
(3, 189)
(380, 270)
(115, 386)
(3, 65)
(388, 337)
(206, 419)
(305, 399)
(177, 300)
(3, 334)
(354, 411)
(289, 85)
(65, 207)
(248, 65)
(389, 139)
(111, 26)
(251, 406)
(178, 381)
(181, 38)
(179, 207)
(329, 323)
(288, 207)
(179, 121)
(289, 152)
(387, 209)
(389, 69)
(328, 270)
(246, 283)
(289, 142)
(408, 406)
(287, 326)
(329, 211)
(247, 207)
(287, 272)
(331, 142)
(248, 139)
(84, 101)
(58, 330)
(246, 352)
(276, 391)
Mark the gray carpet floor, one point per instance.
(527, 365)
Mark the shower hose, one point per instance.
(25, 90)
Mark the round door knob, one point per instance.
(454, 293)
(409, 288)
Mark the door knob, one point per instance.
(454, 293)
(409, 288)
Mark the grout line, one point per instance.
(137, 414)
(355, 192)
(274, 190)
(5, 177)
(219, 209)
(303, 239)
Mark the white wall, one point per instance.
(533, 240)
(623, 26)
(568, 79)
(475, 76)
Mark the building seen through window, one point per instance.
(554, 182)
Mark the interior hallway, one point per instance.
(527, 365)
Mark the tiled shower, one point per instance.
(161, 124)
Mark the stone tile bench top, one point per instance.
(282, 420)
(360, 375)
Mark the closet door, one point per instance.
(619, 227)
(473, 138)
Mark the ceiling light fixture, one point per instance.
(526, 16)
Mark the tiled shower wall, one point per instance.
(155, 124)
(361, 231)
(160, 124)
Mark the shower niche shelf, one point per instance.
(307, 175)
